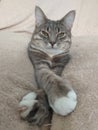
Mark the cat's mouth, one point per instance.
(51, 46)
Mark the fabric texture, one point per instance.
(16, 71)
(17, 79)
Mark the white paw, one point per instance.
(31, 95)
(26, 104)
(72, 95)
(65, 105)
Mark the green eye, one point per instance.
(62, 34)
(44, 33)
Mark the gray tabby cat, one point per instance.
(49, 53)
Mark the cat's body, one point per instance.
(49, 53)
(54, 86)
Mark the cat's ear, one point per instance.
(39, 16)
(68, 19)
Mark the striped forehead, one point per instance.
(54, 26)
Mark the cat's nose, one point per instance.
(52, 43)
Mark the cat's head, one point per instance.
(54, 34)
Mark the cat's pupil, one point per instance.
(47, 29)
(58, 29)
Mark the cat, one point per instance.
(48, 51)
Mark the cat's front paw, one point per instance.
(66, 104)
(26, 104)
(38, 114)
(34, 108)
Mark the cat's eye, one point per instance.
(62, 34)
(44, 33)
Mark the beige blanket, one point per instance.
(16, 71)
(16, 79)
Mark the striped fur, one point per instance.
(48, 51)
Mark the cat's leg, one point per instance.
(59, 63)
(34, 107)
(65, 104)
(36, 110)
(62, 98)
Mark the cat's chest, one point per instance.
(53, 52)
